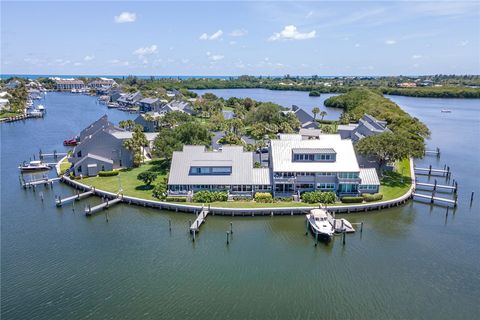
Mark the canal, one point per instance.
(409, 262)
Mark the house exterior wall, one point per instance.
(86, 168)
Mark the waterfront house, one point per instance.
(149, 121)
(231, 169)
(130, 100)
(68, 84)
(325, 164)
(101, 143)
(310, 133)
(306, 120)
(102, 84)
(149, 104)
(365, 127)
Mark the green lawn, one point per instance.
(64, 165)
(396, 183)
(127, 178)
(7, 114)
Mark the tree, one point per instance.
(323, 114)
(160, 190)
(127, 124)
(147, 177)
(315, 111)
(136, 144)
(386, 147)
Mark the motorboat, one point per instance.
(321, 223)
(112, 105)
(35, 165)
(446, 111)
(71, 142)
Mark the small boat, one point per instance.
(446, 111)
(320, 223)
(35, 165)
(112, 105)
(70, 142)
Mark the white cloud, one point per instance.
(214, 36)
(185, 61)
(77, 64)
(309, 14)
(464, 43)
(145, 51)
(125, 17)
(390, 42)
(232, 43)
(89, 58)
(416, 56)
(215, 57)
(290, 32)
(357, 45)
(239, 33)
(119, 62)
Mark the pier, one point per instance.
(59, 201)
(434, 199)
(20, 117)
(435, 152)
(44, 181)
(436, 187)
(445, 172)
(105, 205)
(53, 154)
(195, 227)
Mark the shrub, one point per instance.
(147, 177)
(160, 191)
(372, 197)
(176, 199)
(314, 94)
(318, 197)
(352, 199)
(107, 173)
(210, 196)
(263, 197)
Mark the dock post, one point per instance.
(430, 170)
(193, 239)
(316, 238)
(169, 225)
(471, 197)
(448, 171)
(106, 215)
(343, 227)
(361, 227)
(343, 241)
(41, 196)
(89, 209)
(435, 185)
(231, 227)
(446, 214)
(438, 152)
(228, 240)
(306, 227)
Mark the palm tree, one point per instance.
(315, 111)
(323, 114)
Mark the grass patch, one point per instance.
(64, 165)
(127, 178)
(396, 183)
(8, 114)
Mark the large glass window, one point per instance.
(214, 171)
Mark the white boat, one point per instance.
(41, 108)
(35, 165)
(446, 111)
(321, 223)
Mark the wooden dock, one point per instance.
(433, 171)
(59, 201)
(45, 181)
(195, 227)
(434, 199)
(53, 154)
(104, 205)
(435, 152)
(435, 186)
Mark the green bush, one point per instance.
(107, 173)
(314, 94)
(209, 196)
(160, 191)
(352, 199)
(263, 197)
(372, 197)
(284, 199)
(176, 199)
(318, 197)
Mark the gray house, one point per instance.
(176, 105)
(130, 100)
(366, 126)
(149, 104)
(306, 120)
(101, 123)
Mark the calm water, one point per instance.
(283, 98)
(410, 262)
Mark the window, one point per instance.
(213, 171)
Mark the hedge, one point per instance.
(352, 199)
(263, 197)
(210, 196)
(372, 197)
(176, 199)
(318, 197)
(107, 173)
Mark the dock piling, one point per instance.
(228, 236)
(361, 227)
(231, 227)
(169, 225)
(471, 197)
(343, 241)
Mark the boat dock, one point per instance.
(59, 201)
(19, 117)
(445, 172)
(434, 199)
(342, 225)
(54, 154)
(44, 181)
(195, 226)
(435, 152)
(435, 186)
(104, 205)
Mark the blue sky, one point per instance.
(234, 38)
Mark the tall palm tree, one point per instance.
(315, 111)
(323, 114)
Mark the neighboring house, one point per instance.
(308, 134)
(176, 105)
(194, 169)
(149, 104)
(149, 121)
(306, 120)
(102, 83)
(12, 84)
(366, 126)
(130, 99)
(326, 164)
(370, 183)
(68, 84)
(95, 126)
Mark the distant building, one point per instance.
(366, 126)
(149, 121)
(407, 85)
(4, 100)
(102, 83)
(68, 84)
(12, 84)
(306, 120)
(176, 105)
(130, 99)
(148, 104)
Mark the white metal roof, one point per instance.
(369, 176)
(346, 160)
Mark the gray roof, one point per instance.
(313, 150)
(347, 127)
(310, 132)
(241, 162)
(128, 134)
(149, 100)
(95, 157)
(368, 176)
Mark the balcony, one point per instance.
(281, 179)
